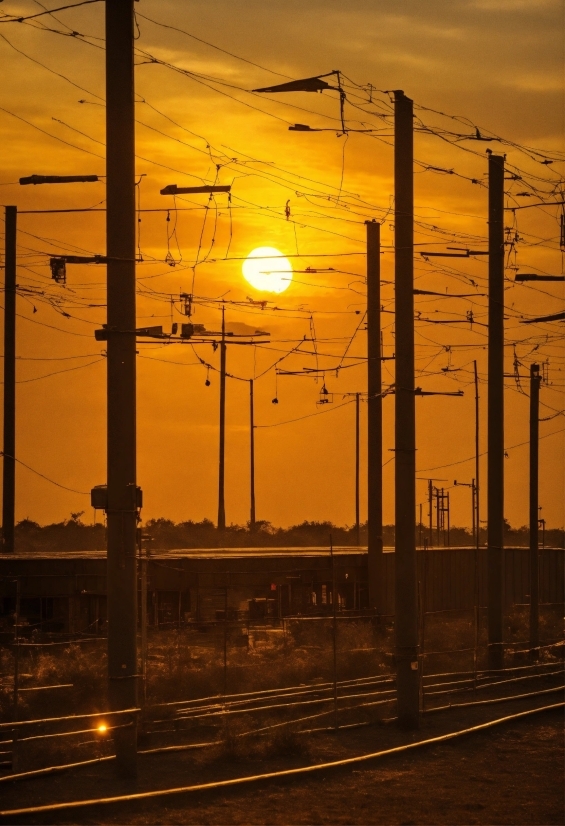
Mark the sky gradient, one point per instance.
(497, 63)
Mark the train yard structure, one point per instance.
(67, 592)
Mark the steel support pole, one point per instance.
(535, 380)
(9, 442)
(374, 420)
(15, 747)
(334, 634)
(477, 514)
(122, 499)
(252, 449)
(17, 651)
(406, 586)
(357, 513)
(495, 480)
(143, 561)
(473, 511)
(431, 510)
(221, 470)
(477, 457)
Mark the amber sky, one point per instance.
(499, 63)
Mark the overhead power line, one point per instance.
(47, 479)
(14, 19)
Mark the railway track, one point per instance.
(9, 814)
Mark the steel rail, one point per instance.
(488, 684)
(102, 734)
(186, 713)
(54, 769)
(259, 709)
(281, 695)
(44, 721)
(496, 700)
(224, 709)
(281, 691)
(297, 772)
(486, 672)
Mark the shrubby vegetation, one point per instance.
(70, 535)
(74, 535)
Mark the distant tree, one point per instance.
(165, 534)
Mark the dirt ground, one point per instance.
(511, 774)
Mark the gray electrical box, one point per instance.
(99, 497)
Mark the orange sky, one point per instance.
(497, 62)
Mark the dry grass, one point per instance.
(189, 664)
(237, 741)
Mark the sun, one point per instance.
(266, 269)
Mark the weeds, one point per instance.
(189, 664)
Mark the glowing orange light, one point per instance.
(102, 728)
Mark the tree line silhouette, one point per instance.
(163, 534)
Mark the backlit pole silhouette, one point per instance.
(122, 501)
(535, 381)
(9, 441)
(406, 589)
(495, 473)
(374, 418)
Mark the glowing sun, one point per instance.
(266, 269)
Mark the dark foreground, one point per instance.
(511, 774)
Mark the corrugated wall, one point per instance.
(447, 577)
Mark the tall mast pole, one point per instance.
(406, 589)
(357, 512)
(473, 511)
(221, 475)
(252, 448)
(122, 491)
(477, 537)
(495, 500)
(477, 455)
(9, 442)
(374, 418)
(535, 380)
(431, 510)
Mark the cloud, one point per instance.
(512, 5)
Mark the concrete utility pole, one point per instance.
(122, 502)
(535, 381)
(477, 456)
(374, 417)
(357, 516)
(406, 587)
(221, 474)
(431, 510)
(477, 512)
(9, 442)
(252, 449)
(495, 475)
